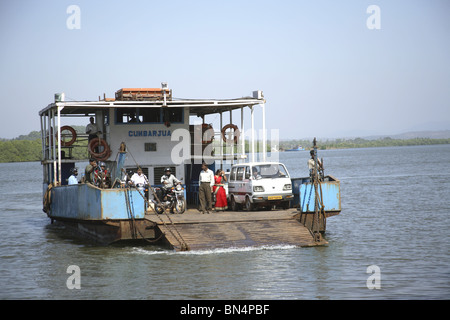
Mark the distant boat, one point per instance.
(299, 148)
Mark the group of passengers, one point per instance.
(95, 173)
(211, 186)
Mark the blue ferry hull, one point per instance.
(104, 215)
(305, 197)
(86, 202)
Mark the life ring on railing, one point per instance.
(74, 136)
(206, 127)
(63, 143)
(236, 132)
(102, 155)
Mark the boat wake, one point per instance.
(137, 250)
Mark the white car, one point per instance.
(259, 184)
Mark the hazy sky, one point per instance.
(323, 71)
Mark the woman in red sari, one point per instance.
(219, 191)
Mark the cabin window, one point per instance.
(173, 115)
(233, 173)
(247, 172)
(149, 115)
(128, 115)
(240, 173)
(150, 146)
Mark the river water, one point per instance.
(395, 218)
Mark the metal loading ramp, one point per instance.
(195, 231)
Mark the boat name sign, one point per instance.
(150, 133)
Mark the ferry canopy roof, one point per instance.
(198, 107)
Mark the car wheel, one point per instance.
(248, 204)
(285, 205)
(159, 209)
(234, 205)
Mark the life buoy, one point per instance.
(102, 155)
(63, 143)
(73, 133)
(206, 127)
(236, 132)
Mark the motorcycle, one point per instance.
(173, 199)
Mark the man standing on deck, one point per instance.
(312, 164)
(206, 181)
(92, 129)
(89, 171)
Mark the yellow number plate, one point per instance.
(275, 197)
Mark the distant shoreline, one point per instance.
(361, 143)
(31, 150)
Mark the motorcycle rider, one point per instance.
(139, 179)
(168, 181)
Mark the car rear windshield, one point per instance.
(270, 171)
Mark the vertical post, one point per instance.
(264, 150)
(54, 147)
(49, 153)
(253, 134)
(316, 229)
(42, 137)
(242, 132)
(43, 146)
(221, 141)
(229, 138)
(59, 145)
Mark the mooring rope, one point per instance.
(183, 245)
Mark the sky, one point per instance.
(328, 69)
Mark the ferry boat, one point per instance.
(143, 128)
(299, 148)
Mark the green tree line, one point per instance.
(29, 147)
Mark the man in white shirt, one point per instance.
(139, 179)
(168, 180)
(92, 129)
(73, 178)
(206, 182)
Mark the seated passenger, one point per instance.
(255, 174)
(103, 176)
(73, 178)
(139, 179)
